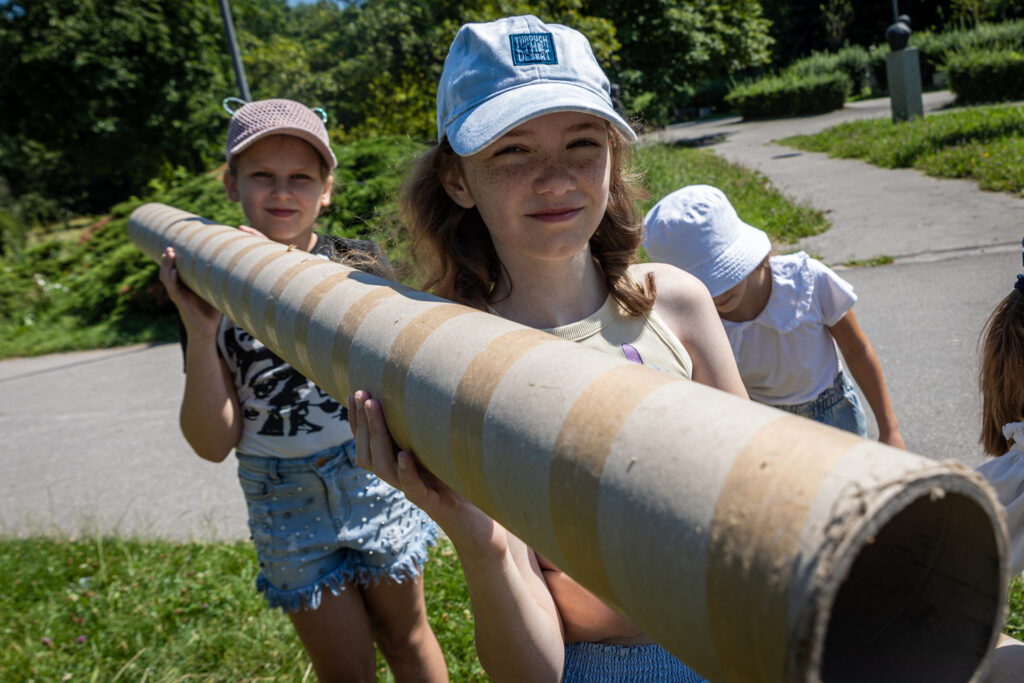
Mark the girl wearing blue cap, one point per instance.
(525, 208)
(784, 315)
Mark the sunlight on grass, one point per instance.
(755, 199)
(984, 143)
(108, 609)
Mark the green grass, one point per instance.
(984, 143)
(882, 260)
(107, 609)
(755, 199)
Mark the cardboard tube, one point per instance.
(752, 544)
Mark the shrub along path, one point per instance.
(874, 212)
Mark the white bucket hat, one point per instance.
(502, 73)
(695, 228)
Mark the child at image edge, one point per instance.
(1002, 435)
(339, 550)
(525, 208)
(784, 315)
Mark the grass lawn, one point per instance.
(985, 143)
(667, 168)
(107, 609)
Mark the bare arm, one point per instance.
(585, 617)
(210, 418)
(518, 629)
(863, 363)
(685, 305)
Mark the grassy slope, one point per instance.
(983, 143)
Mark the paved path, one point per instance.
(874, 211)
(91, 439)
(91, 442)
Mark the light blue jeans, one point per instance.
(837, 406)
(321, 522)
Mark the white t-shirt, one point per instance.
(786, 355)
(284, 415)
(1006, 475)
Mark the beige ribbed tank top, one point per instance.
(643, 339)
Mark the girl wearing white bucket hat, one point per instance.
(525, 208)
(784, 315)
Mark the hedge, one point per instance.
(935, 49)
(851, 60)
(789, 95)
(987, 76)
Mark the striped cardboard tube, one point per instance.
(752, 544)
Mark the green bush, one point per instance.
(987, 76)
(851, 60)
(789, 95)
(936, 49)
(100, 290)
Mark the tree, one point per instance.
(99, 96)
(836, 16)
(670, 47)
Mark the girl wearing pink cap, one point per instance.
(340, 551)
(525, 209)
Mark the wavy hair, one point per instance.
(453, 247)
(1001, 377)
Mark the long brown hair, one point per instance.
(1002, 372)
(453, 246)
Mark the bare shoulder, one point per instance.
(677, 289)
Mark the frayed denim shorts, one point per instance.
(837, 406)
(321, 521)
(601, 663)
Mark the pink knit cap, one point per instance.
(257, 120)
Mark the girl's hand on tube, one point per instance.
(252, 231)
(200, 318)
(472, 532)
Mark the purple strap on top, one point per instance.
(632, 354)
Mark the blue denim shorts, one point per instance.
(601, 663)
(837, 406)
(323, 522)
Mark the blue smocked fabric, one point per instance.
(601, 663)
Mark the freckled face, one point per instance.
(278, 181)
(542, 188)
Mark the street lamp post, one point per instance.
(236, 57)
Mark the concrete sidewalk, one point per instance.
(874, 211)
(91, 444)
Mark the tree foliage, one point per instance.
(99, 96)
(668, 47)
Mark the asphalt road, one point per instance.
(90, 440)
(91, 443)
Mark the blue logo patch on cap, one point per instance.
(533, 48)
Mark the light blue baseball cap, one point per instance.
(502, 73)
